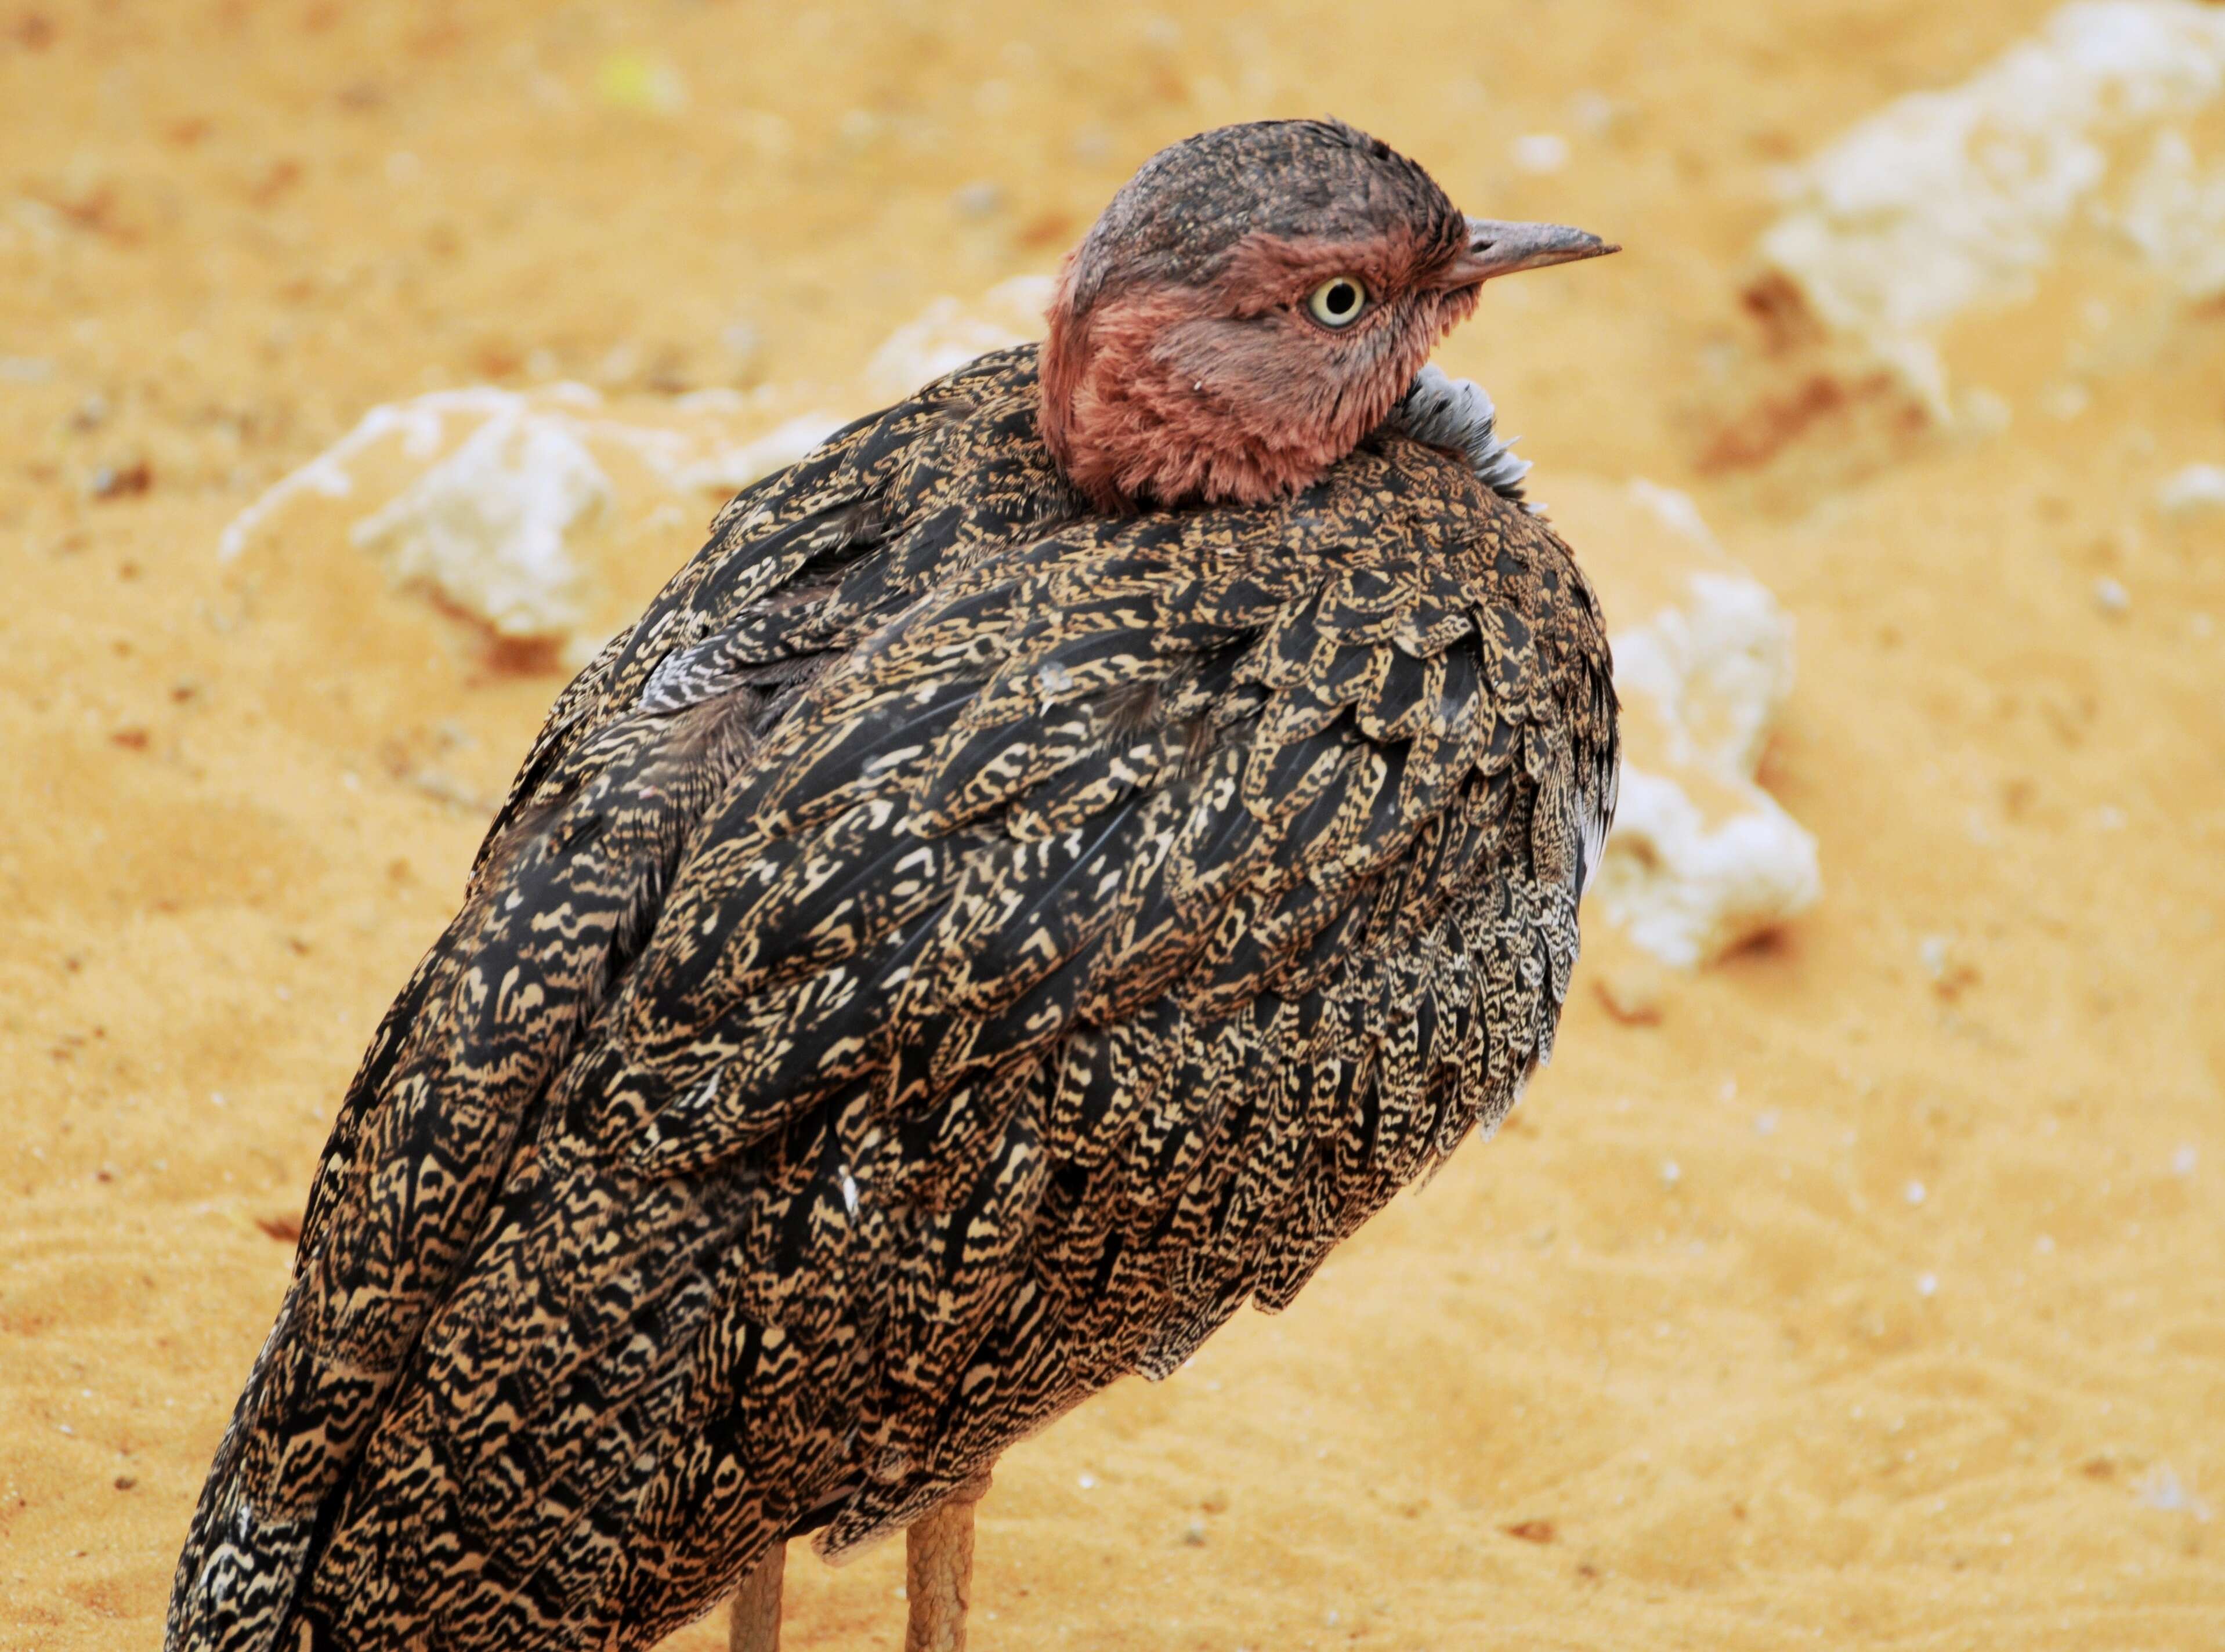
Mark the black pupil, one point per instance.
(1342, 297)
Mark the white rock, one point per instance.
(1718, 663)
(1944, 200)
(1701, 859)
(418, 424)
(1689, 875)
(486, 527)
(494, 498)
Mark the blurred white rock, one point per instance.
(2196, 490)
(1701, 859)
(503, 504)
(2161, 1488)
(729, 469)
(1946, 200)
(948, 334)
(485, 498)
(486, 526)
(1540, 153)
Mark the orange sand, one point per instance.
(1653, 1369)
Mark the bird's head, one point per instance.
(1253, 303)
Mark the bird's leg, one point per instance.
(939, 1571)
(754, 1624)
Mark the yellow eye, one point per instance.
(1337, 302)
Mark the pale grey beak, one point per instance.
(1496, 248)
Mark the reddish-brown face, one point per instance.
(1252, 304)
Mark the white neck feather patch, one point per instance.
(1457, 414)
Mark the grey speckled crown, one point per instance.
(1456, 412)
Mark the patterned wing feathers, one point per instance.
(955, 951)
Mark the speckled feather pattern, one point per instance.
(953, 952)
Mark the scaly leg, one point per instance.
(754, 1625)
(939, 1572)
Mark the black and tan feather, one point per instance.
(955, 951)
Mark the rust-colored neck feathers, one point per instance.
(1205, 346)
(1165, 393)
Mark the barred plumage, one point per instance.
(959, 947)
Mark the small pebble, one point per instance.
(1916, 1194)
(1541, 152)
(1986, 413)
(1927, 1284)
(2110, 596)
(2183, 1162)
(1595, 112)
(120, 480)
(980, 199)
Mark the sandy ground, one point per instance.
(1872, 1297)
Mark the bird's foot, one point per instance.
(939, 1571)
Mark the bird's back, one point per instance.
(954, 951)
